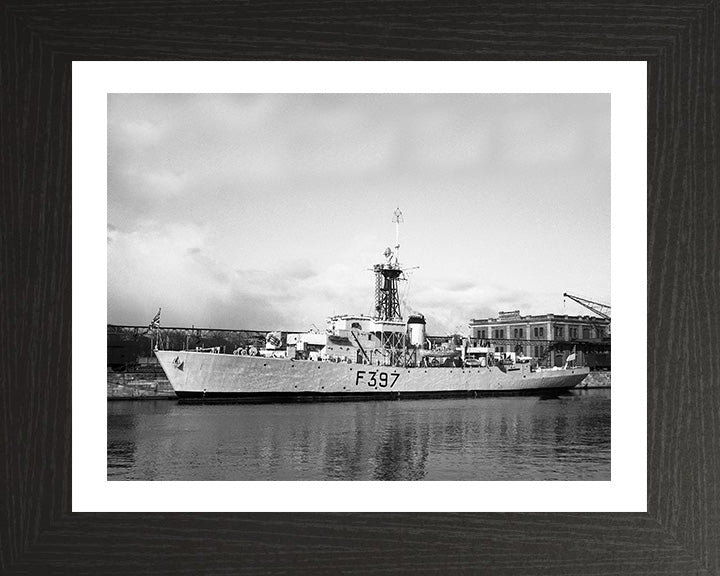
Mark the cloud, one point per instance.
(164, 182)
(140, 133)
(461, 286)
(172, 266)
(269, 209)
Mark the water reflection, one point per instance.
(401, 453)
(565, 437)
(121, 442)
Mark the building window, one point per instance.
(482, 333)
(535, 332)
(559, 332)
(542, 332)
(586, 333)
(521, 333)
(515, 332)
(536, 352)
(502, 333)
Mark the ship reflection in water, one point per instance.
(563, 437)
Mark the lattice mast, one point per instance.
(387, 274)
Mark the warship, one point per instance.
(378, 356)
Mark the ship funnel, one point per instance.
(416, 330)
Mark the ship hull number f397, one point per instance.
(376, 379)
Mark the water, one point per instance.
(562, 437)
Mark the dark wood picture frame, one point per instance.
(680, 533)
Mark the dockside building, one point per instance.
(549, 337)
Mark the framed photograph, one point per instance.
(214, 213)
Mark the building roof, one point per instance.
(508, 319)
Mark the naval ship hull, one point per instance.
(198, 375)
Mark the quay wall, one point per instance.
(598, 379)
(144, 382)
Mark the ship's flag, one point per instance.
(156, 321)
(572, 356)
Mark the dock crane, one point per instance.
(602, 310)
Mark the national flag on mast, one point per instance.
(156, 321)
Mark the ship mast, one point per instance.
(398, 219)
(387, 300)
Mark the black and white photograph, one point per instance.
(358, 286)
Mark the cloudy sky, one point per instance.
(266, 211)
